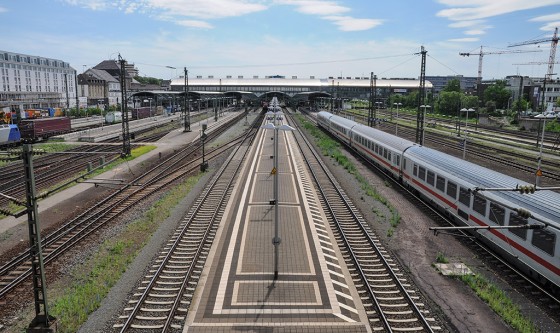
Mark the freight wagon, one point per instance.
(42, 128)
(144, 112)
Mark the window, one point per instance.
(431, 178)
(464, 197)
(515, 219)
(389, 155)
(479, 204)
(440, 183)
(398, 160)
(422, 173)
(544, 240)
(497, 213)
(415, 170)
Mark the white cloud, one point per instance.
(91, 4)
(331, 11)
(545, 18)
(347, 23)
(315, 7)
(480, 9)
(475, 32)
(195, 24)
(550, 26)
(465, 13)
(207, 9)
(466, 39)
(3, 10)
(466, 24)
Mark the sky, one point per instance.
(303, 38)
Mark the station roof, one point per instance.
(286, 82)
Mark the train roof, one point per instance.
(383, 137)
(544, 203)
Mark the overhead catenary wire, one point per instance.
(304, 63)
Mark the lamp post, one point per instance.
(397, 118)
(465, 130)
(539, 171)
(276, 240)
(203, 136)
(424, 107)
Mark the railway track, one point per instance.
(53, 169)
(162, 300)
(159, 178)
(392, 303)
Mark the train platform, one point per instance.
(313, 291)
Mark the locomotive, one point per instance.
(457, 188)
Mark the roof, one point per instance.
(101, 75)
(322, 83)
(108, 65)
(543, 203)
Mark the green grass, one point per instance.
(330, 147)
(500, 303)
(94, 280)
(441, 259)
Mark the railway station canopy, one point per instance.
(296, 89)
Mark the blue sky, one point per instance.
(286, 37)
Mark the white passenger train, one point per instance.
(449, 183)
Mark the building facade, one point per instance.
(30, 81)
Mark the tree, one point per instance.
(453, 85)
(148, 80)
(498, 94)
(449, 102)
(411, 100)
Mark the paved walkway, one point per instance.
(313, 292)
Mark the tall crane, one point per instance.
(553, 44)
(551, 59)
(481, 54)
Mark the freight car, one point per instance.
(143, 112)
(42, 128)
(453, 186)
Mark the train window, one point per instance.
(544, 240)
(515, 219)
(385, 153)
(464, 196)
(479, 204)
(422, 173)
(415, 170)
(497, 213)
(431, 178)
(389, 155)
(440, 183)
(398, 160)
(404, 163)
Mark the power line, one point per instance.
(444, 65)
(303, 63)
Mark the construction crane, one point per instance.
(553, 43)
(551, 59)
(481, 54)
